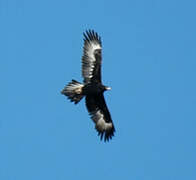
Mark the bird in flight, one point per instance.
(92, 88)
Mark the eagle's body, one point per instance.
(92, 88)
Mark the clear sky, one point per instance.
(149, 60)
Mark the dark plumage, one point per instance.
(92, 88)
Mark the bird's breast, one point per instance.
(92, 88)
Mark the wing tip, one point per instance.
(107, 135)
(91, 35)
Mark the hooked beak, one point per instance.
(108, 88)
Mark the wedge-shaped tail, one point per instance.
(73, 91)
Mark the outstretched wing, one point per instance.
(100, 114)
(91, 59)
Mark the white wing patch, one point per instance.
(92, 42)
(101, 124)
(89, 58)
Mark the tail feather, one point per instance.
(73, 91)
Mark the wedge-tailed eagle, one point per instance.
(92, 88)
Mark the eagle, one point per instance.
(92, 88)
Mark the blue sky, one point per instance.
(149, 60)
